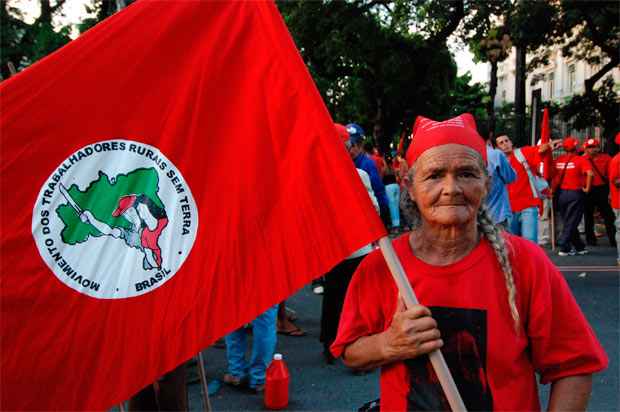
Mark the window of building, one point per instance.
(571, 78)
(551, 85)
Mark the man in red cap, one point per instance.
(524, 201)
(614, 189)
(598, 195)
(573, 180)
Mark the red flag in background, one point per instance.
(129, 243)
(545, 137)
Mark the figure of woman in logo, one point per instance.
(147, 222)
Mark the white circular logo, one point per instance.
(116, 219)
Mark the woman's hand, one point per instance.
(413, 332)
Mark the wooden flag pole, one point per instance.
(436, 357)
(203, 382)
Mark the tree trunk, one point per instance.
(491, 104)
(520, 138)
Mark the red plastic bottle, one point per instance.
(276, 384)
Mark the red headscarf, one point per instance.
(429, 133)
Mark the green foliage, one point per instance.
(599, 107)
(23, 44)
(368, 66)
(467, 98)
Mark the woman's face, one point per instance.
(449, 185)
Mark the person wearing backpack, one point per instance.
(523, 193)
(599, 193)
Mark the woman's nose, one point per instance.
(450, 184)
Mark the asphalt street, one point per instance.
(315, 386)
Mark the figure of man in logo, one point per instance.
(147, 221)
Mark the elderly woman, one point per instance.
(494, 303)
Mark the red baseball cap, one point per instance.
(591, 143)
(570, 143)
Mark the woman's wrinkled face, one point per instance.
(449, 185)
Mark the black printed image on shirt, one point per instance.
(464, 334)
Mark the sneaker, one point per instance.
(318, 290)
(582, 252)
(569, 253)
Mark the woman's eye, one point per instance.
(468, 175)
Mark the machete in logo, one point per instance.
(115, 220)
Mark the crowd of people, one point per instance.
(465, 213)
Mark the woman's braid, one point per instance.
(494, 235)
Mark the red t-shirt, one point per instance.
(520, 191)
(601, 161)
(493, 365)
(379, 162)
(576, 168)
(614, 173)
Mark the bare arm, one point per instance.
(551, 145)
(571, 393)
(412, 333)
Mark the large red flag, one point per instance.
(545, 136)
(165, 178)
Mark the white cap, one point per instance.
(277, 356)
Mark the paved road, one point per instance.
(594, 280)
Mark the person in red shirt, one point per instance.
(598, 196)
(523, 201)
(614, 192)
(573, 179)
(373, 153)
(487, 296)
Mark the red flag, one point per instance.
(129, 243)
(545, 136)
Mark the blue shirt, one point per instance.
(500, 173)
(368, 165)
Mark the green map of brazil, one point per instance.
(101, 199)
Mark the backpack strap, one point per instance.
(521, 158)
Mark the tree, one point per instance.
(590, 31)
(469, 98)
(368, 65)
(530, 25)
(493, 47)
(23, 44)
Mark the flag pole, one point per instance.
(436, 357)
(203, 382)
